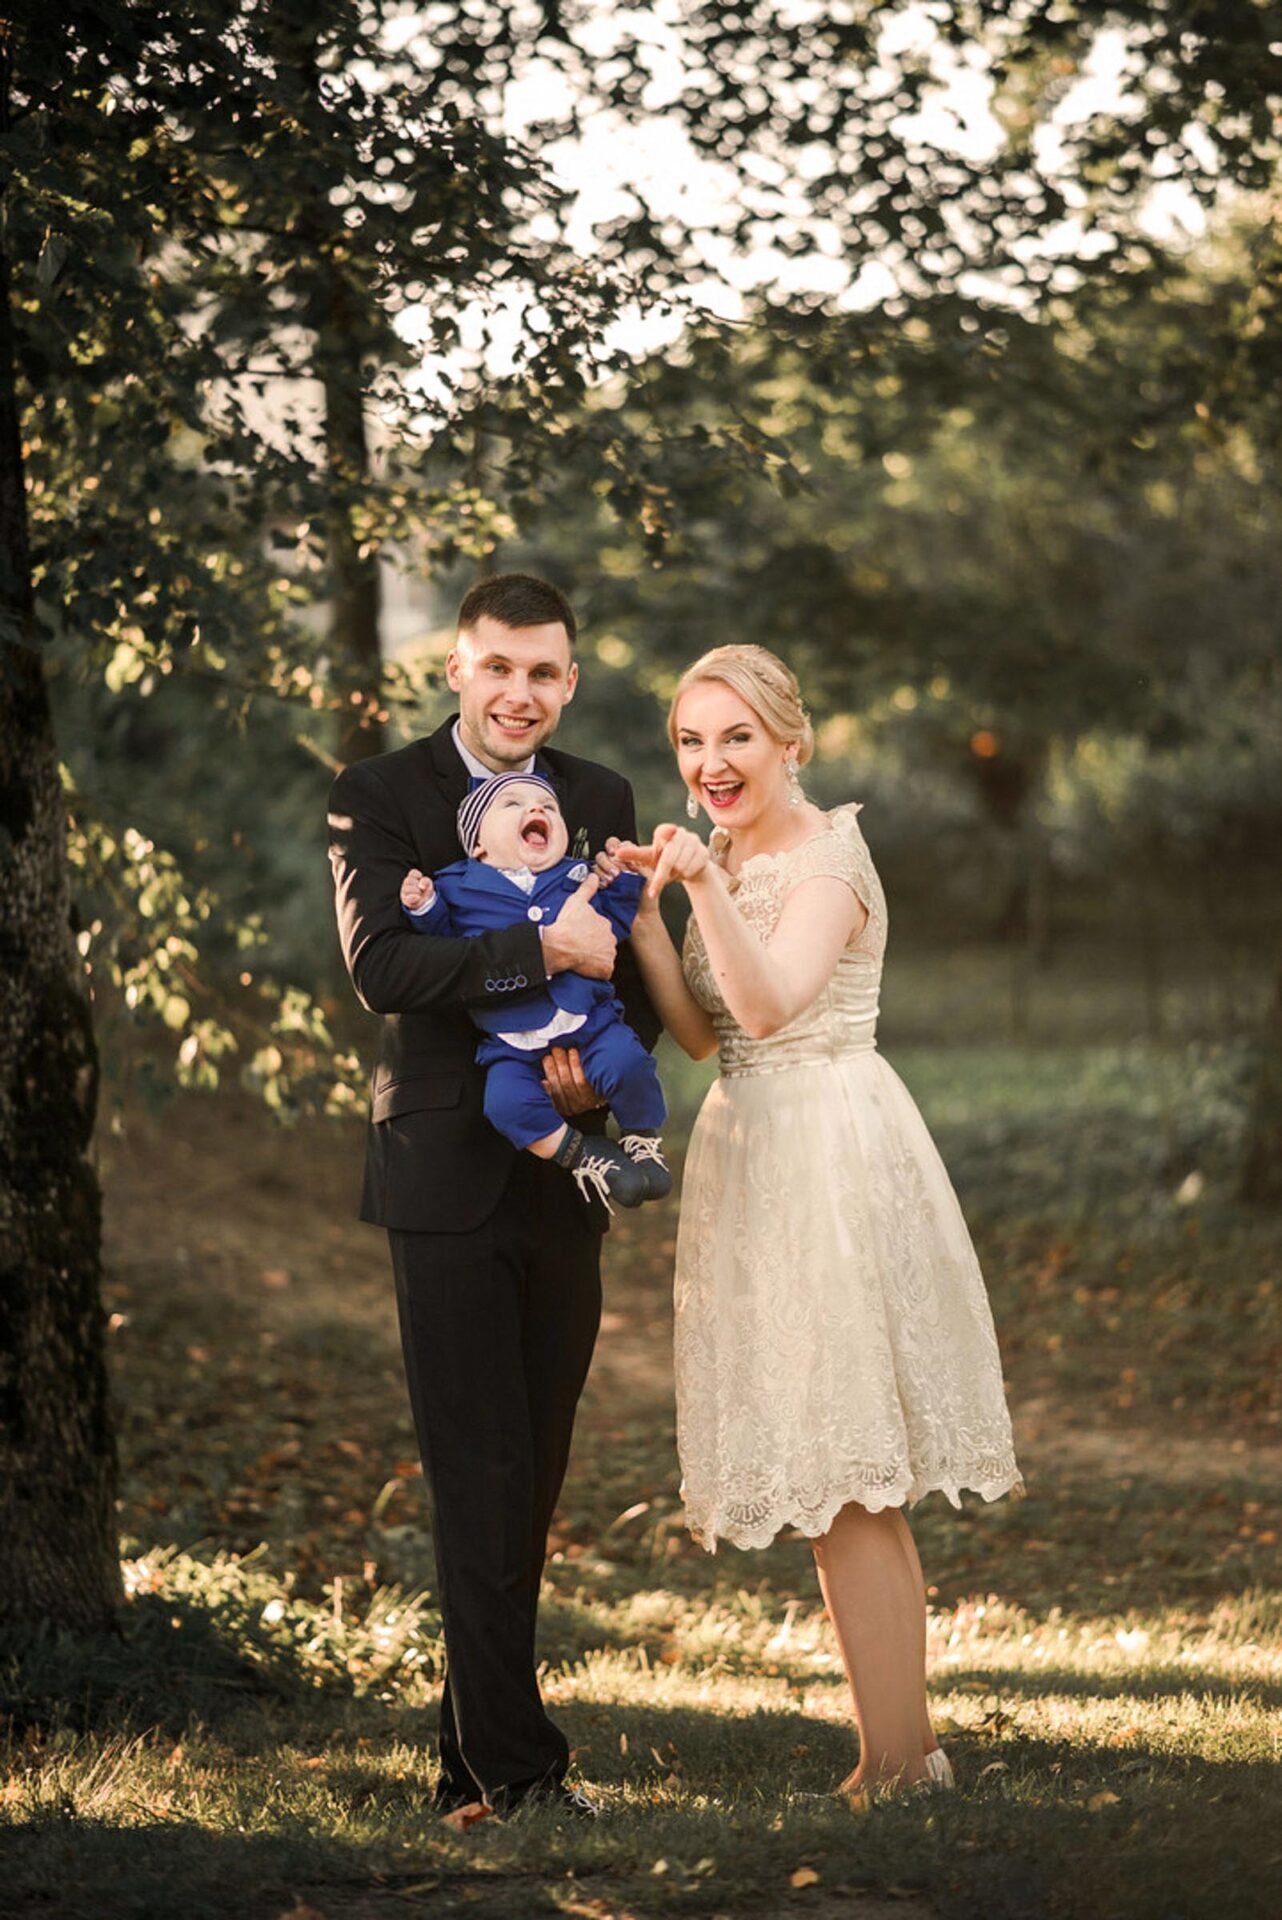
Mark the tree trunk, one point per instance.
(1009, 782)
(58, 1548)
(356, 657)
(355, 588)
(1262, 1164)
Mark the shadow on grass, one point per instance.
(730, 1804)
(69, 1869)
(1150, 1683)
(173, 1661)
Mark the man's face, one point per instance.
(522, 828)
(512, 683)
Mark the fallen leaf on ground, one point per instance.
(464, 1817)
(803, 1877)
(1100, 1800)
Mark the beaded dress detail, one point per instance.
(833, 1336)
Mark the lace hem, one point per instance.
(990, 1483)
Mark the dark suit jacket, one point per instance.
(433, 1163)
(473, 898)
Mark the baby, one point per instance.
(515, 839)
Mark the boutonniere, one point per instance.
(579, 847)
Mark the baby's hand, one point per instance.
(607, 867)
(417, 891)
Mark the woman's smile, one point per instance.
(721, 794)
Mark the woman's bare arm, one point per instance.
(661, 971)
(765, 984)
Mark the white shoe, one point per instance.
(939, 1772)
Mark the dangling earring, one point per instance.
(795, 795)
(692, 805)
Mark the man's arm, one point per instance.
(391, 968)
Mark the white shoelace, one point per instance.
(642, 1146)
(591, 1172)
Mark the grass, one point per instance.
(1105, 1656)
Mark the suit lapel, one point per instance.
(448, 771)
(574, 827)
(580, 842)
(546, 771)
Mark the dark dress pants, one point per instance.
(497, 1328)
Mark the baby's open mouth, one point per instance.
(535, 834)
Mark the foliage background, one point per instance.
(1016, 523)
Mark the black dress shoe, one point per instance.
(449, 1798)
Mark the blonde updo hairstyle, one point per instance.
(763, 683)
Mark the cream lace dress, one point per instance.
(833, 1337)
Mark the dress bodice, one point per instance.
(842, 1019)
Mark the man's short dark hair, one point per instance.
(517, 600)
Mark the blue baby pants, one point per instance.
(614, 1060)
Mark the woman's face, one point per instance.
(731, 764)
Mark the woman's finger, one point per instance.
(683, 857)
(663, 869)
(636, 859)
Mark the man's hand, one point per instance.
(580, 939)
(566, 1084)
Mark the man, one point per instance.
(496, 1259)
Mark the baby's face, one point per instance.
(523, 828)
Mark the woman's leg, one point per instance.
(877, 1606)
(909, 1546)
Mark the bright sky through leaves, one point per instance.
(615, 169)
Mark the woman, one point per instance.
(835, 1353)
